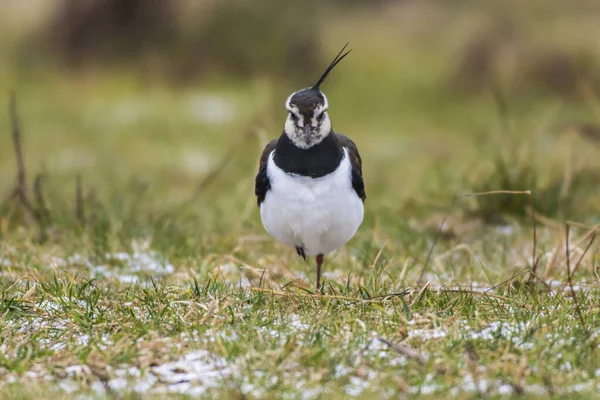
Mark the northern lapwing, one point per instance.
(309, 185)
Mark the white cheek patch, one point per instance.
(289, 127)
(294, 110)
(320, 109)
(295, 133)
(287, 102)
(325, 127)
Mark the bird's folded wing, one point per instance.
(264, 157)
(262, 184)
(352, 150)
(356, 162)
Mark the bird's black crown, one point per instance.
(306, 100)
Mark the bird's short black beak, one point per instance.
(307, 133)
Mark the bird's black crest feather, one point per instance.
(335, 62)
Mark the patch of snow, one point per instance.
(565, 287)
(505, 389)
(566, 367)
(477, 287)
(194, 373)
(428, 387)
(98, 387)
(311, 393)
(118, 384)
(77, 371)
(59, 328)
(5, 262)
(336, 275)
(143, 260)
(145, 383)
(211, 336)
(341, 370)
(500, 330)
(297, 324)
(536, 389)
(427, 334)
(358, 385)
(68, 386)
(425, 389)
(505, 230)
(234, 275)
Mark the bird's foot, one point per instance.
(300, 251)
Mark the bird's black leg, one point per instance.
(319, 263)
(300, 251)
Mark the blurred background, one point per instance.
(164, 106)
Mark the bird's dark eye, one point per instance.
(294, 118)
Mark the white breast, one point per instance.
(318, 214)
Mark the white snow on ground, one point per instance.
(121, 266)
(496, 329)
(503, 330)
(427, 334)
(479, 287)
(234, 275)
(358, 385)
(196, 372)
(143, 260)
(59, 328)
(193, 374)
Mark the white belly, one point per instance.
(318, 214)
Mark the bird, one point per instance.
(309, 186)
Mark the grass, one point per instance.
(170, 287)
(82, 337)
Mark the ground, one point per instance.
(165, 284)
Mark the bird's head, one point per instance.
(308, 123)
